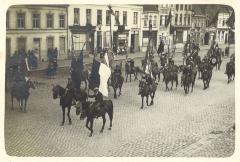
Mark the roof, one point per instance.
(150, 7)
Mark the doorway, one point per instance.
(36, 46)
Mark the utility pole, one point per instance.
(111, 13)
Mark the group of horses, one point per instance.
(170, 72)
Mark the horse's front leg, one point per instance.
(126, 77)
(172, 85)
(142, 102)
(115, 91)
(130, 77)
(91, 127)
(63, 117)
(158, 77)
(68, 114)
(104, 121)
(147, 100)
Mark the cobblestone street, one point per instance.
(177, 125)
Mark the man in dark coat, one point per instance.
(98, 104)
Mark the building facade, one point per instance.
(222, 28)
(38, 28)
(95, 25)
(198, 29)
(183, 18)
(165, 22)
(149, 29)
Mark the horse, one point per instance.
(66, 97)
(89, 111)
(230, 71)
(156, 72)
(20, 91)
(130, 70)
(206, 76)
(146, 91)
(170, 74)
(187, 80)
(116, 83)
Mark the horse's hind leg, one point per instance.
(12, 100)
(68, 114)
(63, 119)
(86, 84)
(25, 106)
(104, 121)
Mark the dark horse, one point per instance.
(188, 79)
(116, 83)
(170, 74)
(131, 70)
(206, 75)
(146, 91)
(230, 71)
(66, 97)
(20, 91)
(89, 111)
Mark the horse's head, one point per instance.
(141, 86)
(30, 84)
(78, 108)
(56, 91)
(84, 110)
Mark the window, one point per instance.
(107, 17)
(99, 17)
(181, 7)
(166, 19)
(154, 21)
(7, 20)
(62, 21)
(62, 44)
(185, 19)
(124, 17)
(49, 20)
(21, 20)
(21, 43)
(177, 7)
(76, 16)
(88, 16)
(161, 19)
(176, 19)
(145, 20)
(185, 8)
(36, 20)
(180, 19)
(223, 23)
(189, 7)
(116, 17)
(50, 41)
(188, 19)
(135, 18)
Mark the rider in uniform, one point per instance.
(98, 100)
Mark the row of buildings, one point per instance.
(93, 27)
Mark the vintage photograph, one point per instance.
(119, 80)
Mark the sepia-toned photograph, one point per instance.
(120, 80)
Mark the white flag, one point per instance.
(106, 59)
(104, 72)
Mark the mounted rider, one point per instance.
(98, 104)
